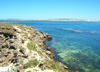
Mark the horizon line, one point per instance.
(54, 19)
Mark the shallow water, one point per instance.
(76, 44)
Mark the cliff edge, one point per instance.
(24, 49)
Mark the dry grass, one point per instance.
(6, 25)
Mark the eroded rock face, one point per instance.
(20, 44)
(13, 43)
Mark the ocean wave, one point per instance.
(80, 31)
(73, 30)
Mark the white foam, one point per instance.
(74, 30)
(79, 31)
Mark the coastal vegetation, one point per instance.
(32, 63)
(31, 46)
(26, 34)
(54, 65)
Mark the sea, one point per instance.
(74, 43)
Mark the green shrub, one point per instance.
(39, 52)
(31, 46)
(26, 34)
(55, 66)
(28, 71)
(4, 24)
(30, 64)
(20, 26)
(48, 62)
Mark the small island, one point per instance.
(56, 20)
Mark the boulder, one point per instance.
(49, 49)
(49, 37)
(23, 40)
(48, 52)
(46, 46)
(44, 40)
(2, 37)
(65, 67)
(52, 56)
(12, 40)
(12, 46)
(4, 45)
(42, 32)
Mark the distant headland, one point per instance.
(56, 20)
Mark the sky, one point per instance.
(50, 9)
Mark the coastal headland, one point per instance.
(23, 49)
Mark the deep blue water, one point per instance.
(76, 44)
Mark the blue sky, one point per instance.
(50, 9)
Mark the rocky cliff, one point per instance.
(24, 49)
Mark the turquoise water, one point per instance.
(76, 44)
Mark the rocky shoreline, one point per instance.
(24, 49)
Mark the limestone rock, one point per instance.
(48, 52)
(10, 57)
(3, 52)
(65, 67)
(2, 59)
(4, 45)
(49, 37)
(19, 49)
(12, 40)
(23, 50)
(49, 49)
